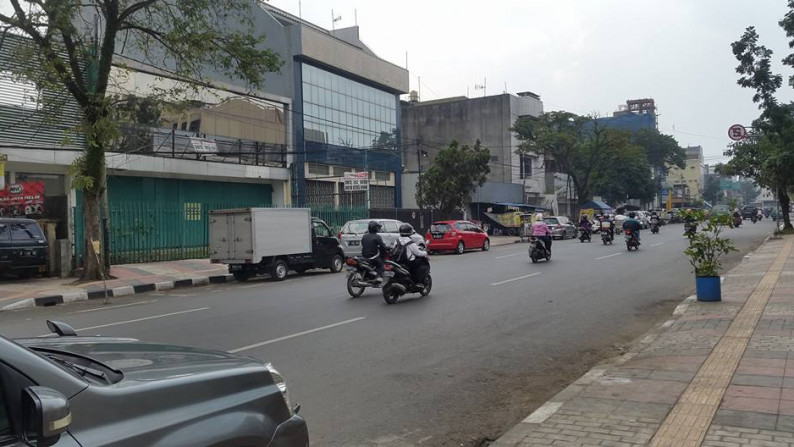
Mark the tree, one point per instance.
(749, 192)
(456, 172)
(711, 189)
(767, 156)
(74, 46)
(596, 158)
(662, 151)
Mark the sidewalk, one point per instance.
(716, 374)
(129, 279)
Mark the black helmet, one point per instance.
(406, 230)
(632, 215)
(373, 226)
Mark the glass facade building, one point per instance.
(342, 112)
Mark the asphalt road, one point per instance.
(497, 336)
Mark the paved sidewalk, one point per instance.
(129, 279)
(716, 374)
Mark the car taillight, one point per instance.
(351, 262)
(387, 267)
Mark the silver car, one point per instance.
(351, 233)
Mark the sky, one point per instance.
(583, 56)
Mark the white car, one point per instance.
(351, 233)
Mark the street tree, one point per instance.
(767, 156)
(711, 189)
(662, 151)
(456, 172)
(75, 45)
(597, 159)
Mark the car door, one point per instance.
(461, 233)
(324, 242)
(476, 234)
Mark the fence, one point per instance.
(155, 232)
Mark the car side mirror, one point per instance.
(46, 414)
(62, 329)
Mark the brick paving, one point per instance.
(716, 374)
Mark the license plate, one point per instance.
(353, 243)
(388, 274)
(437, 236)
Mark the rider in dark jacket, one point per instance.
(633, 225)
(372, 246)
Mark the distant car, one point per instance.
(456, 235)
(351, 233)
(23, 247)
(749, 211)
(561, 227)
(721, 210)
(100, 391)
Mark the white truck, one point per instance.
(272, 240)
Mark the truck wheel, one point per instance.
(241, 276)
(279, 270)
(336, 264)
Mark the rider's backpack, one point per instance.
(399, 253)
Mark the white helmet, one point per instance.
(539, 216)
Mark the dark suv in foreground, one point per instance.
(23, 248)
(98, 391)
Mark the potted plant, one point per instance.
(706, 248)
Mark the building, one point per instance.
(645, 106)
(687, 183)
(430, 126)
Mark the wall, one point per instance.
(171, 191)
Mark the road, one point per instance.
(496, 338)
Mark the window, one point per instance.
(390, 227)
(382, 176)
(318, 169)
(25, 231)
(193, 211)
(320, 230)
(5, 232)
(460, 226)
(195, 125)
(525, 166)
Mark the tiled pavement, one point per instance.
(716, 374)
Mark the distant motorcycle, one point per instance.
(655, 227)
(690, 228)
(398, 281)
(361, 275)
(754, 218)
(537, 250)
(632, 243)
(607, 237)
(737, 221)
(584, 235)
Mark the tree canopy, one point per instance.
(456, 172)
(74, 46)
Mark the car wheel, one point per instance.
(337, 264)
(486, 244)
(241, 276)
(279, 270)
(460, 248)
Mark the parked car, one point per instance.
(98, 391)
(561, 227)
(644, 220)
(352, 231)
(23, 247)
(457, 235)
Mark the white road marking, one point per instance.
(515, 279)
(510, 255)
(114, 307)
(153, 317)
(287, 337)
(656, 245)
(608, 256)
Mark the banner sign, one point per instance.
(23, 199)
(203, 145)
(356, 181)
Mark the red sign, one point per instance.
(23, 199)
(737, 132)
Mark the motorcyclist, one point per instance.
(633, 225)
(608, 225)
(372, 247)
(541, 230)
(655, 220)
(412, 251)
(585, 225)
(760, 214)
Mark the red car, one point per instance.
(456, 235)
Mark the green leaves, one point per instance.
(456, 172)
(706, 247)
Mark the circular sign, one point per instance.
(737, 132)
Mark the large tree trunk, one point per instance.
(93, 167)
(93, 267)
(785, 205)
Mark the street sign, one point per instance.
(356, 181)
(737, 132)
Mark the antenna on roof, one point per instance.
(334, 19)
(300, 10)
(355, 16)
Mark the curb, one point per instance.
(84, 295)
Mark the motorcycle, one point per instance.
(631, 240)
(690, 228)
(737, 221)
(753, 218)
(607, 237)
(397, 280)
(537, 250)
(655, 226)
(361, 275)
(584, 235)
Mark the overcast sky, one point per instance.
(584, 56)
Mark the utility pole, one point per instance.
(419, 187)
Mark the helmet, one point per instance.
(373, 226)
(538, 216)
(632, 214)
(406, 230)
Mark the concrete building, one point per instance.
(687, 183)
(431, 125)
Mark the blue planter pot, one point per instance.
(708, 288)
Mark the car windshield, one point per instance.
(439, 228)
(551, 221)
(25, 231)
(355, 227)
